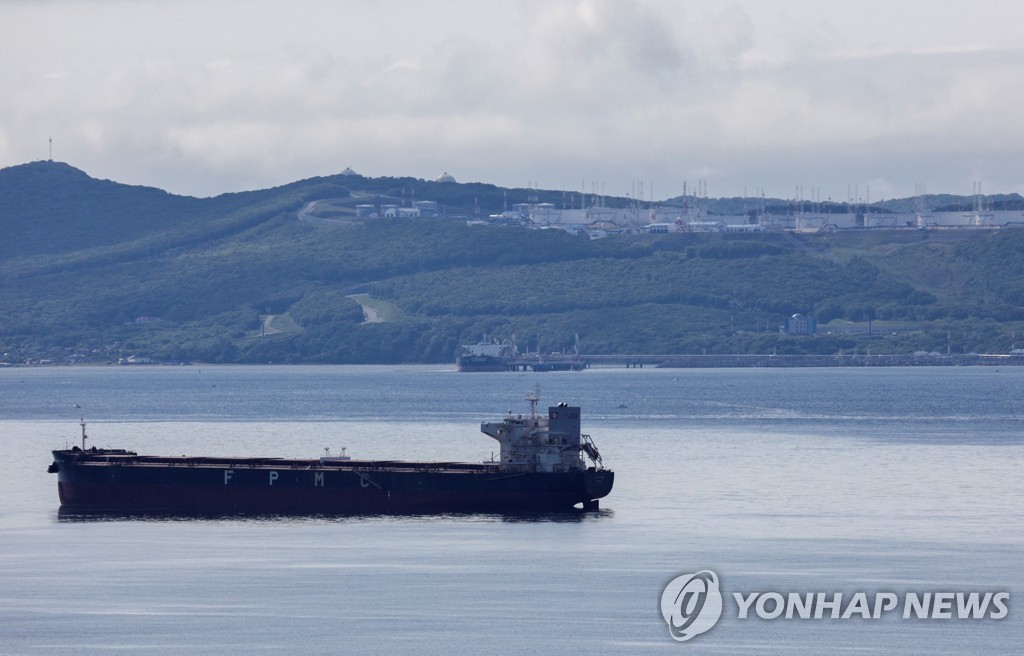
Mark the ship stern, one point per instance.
(597, 483)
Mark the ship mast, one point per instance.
(533, 397)
(84, 436)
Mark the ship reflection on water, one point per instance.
(74, 515)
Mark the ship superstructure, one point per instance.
(543, 443)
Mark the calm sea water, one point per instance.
(778, 480)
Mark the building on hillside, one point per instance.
(799, 324)
(426, 208)
(743, 227)
(820, 222)
(705, 226)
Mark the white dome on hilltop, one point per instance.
(444, 177)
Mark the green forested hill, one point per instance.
(96, 270)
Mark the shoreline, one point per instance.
(733, 361)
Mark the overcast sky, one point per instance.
(205, 97)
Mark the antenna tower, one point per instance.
(534, 396)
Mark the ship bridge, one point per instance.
(540, 443)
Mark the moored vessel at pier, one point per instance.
(485, 356)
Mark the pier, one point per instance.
(769, 360)
(740, 361)
(557, 364)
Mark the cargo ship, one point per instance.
(546, 465)
(485, 356)
(505, 356)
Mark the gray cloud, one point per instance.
(204, 98)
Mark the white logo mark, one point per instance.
(691, 604)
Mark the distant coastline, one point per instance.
(734, 361)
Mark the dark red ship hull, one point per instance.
(121, 481)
